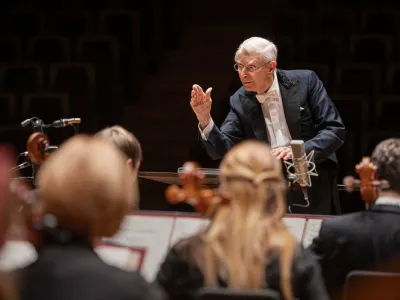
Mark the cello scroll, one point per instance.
(368, 184)
(204, 200)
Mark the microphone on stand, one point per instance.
(65, 122)
(304, 168)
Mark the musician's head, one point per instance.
(86, 186)
(252, 177)
(255, 62)
(126, 142)
(386, 157)
(243, 233)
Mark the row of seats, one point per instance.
(362, 48)
(358, 116)
(331, 21)
(95, 70)
(302, 22)
(330, 48)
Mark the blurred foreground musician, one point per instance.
(85, 192)
(368, 240)
(246, 245)
(277, 106)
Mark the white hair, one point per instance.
(257, 45)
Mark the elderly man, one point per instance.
(277, 106)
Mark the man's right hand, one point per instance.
(201, 105)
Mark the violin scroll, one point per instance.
(368, 184)
(37, 146)
(204, 200)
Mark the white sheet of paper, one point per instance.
(120, 257)
(187, 226)
(312, 229)
(151, 232)
(295, 227)
(17, 254)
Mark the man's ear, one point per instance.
(135, 169)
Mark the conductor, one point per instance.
(277, 106)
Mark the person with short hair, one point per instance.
(367, 240)
(125, 141)
(85, 193)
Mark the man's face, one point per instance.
(255, 73)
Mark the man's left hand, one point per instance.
(284, 153)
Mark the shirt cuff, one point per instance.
(206, 132)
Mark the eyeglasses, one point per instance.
(250, 69)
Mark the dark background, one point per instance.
(133, 63)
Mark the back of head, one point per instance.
(86, 185)
(386, 156)
(258, 46)
(123, 140)
(244, 234)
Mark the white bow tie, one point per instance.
(268, 95)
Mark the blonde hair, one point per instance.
(248, 231)
(86, 184)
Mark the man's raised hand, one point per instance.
(201, 104)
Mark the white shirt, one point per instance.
(272, 107)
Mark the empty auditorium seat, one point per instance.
(320, 48)
(378, 21)
(371, 138)
(286, 48)
(125, 25)
(331, 21)
(10, 49)
(25, 24)
(371, 48)
(387, 108)
(48, 49)
(151, 30)
(297, 26)
(21, 78)
(8, 109)
(73, 23)
(354, 110)
(392, 79)
(46, 106)
(103, 53)
(78, 80)
(322, 70)
(357, 78)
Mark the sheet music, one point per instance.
(186, 226)
(312, 229)
(295, 227)
(149, 232)
(120, 257)
(17, 254)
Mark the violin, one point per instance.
(368, 184)
(38, 147)
(204, 200)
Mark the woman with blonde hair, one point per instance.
(85, 192)
(246, 246)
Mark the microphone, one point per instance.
(26, 122)
(65, 122)
(304, 168)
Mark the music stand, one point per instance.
(211, 177)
